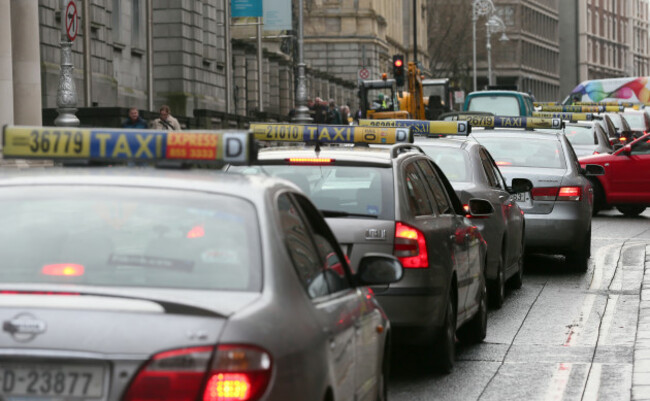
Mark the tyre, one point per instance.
(631, 210)
(474, 331)
(498, 286)
(517, 280)
(579, 257)
(444, 348)
(599, 196)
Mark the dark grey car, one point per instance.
(474, 174)
(131, 284)
(396, 200)
(558, 209)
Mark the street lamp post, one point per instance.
(479, 8)
(302, 112)
(493, 25)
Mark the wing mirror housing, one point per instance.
(626, 150)
(379, 269)
(480, 207)
(592, 170)
(520, 185)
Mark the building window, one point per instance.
(588, 20)
(596, 23)
(117, 29)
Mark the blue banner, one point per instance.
(277, 15)
(246, 8)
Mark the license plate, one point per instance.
(519, 197)
(51, 380)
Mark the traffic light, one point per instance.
(398, 69)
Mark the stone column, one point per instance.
(26, 62)
(6, 69)
(284, 90)
(240, 87)
(252, 95)
(274, 87)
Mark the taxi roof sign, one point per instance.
(540, 104)
(564, 116)
(121, 145)
(511, 122)
(331, 134)
(573, 109)
(423, 127)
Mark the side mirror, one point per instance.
(627, 149)
(593, 169)
(520, 185)
(379, 269)
(480, 207)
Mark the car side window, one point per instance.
(416, 192)
(501, 182)
(444, 206)
(493, 180)
(331, 258)
(641, 148)
(305, 257)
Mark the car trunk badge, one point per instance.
(375, 234)
(24, 327)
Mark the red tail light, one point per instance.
(63, 269)
(569, 194)
(502, 163)
(544, 193)
(410, 247)
(596, 152)
(311, 161)
(239, 372)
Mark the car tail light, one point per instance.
(63, 269)
(544, 193)
(311, 161)
(596, 152)
(569, 194)
(239, 372)
(502, 163)
(622, 139)
(410, 247)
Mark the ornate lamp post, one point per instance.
(494, 25)
(480, 8)
(66, 94)
(302, 112)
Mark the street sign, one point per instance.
(364, 73)
(71, 25)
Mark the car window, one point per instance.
(339, 188)
(636, 121)
(118, 236)
(641, 147)
(499, 105)
(492, 178)
(453, 162)
(497, 173)
(524, 152)
(439, 193)
(305, 257)
(578, 135)
(418, 200)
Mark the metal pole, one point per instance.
(474, 19)
(489, 52)
(302, 112)
(227, 38)
(150, 93)
(88, 73)
(66, 94)
(259, 63)
(415, 33)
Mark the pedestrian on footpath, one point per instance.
(135, 121)
(345, 114)
(166, 121)
(333, 113)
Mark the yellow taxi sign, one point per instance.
(423, 127)
(331, 133)
(540, 104)
(511, 122)
(573, 109)
(564, 116)
(118, 145)
(623, 104)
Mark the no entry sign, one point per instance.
(71, 25)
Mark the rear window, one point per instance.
(453, 162)
(499, 105)
(116, 236)
(635, 121)
(362, 190)
(525, 152)
(581, 135)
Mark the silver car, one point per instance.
(558, 208)
(130, 284)
(396, 200)
(474, 174)
(588, 138)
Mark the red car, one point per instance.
(626, 183)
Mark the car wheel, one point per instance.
(498, 286)
(444, 348)
(474, 331)
(631, 210)
(579, 257)
(599, 196)
(518, 279)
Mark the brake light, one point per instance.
(63, 269)
(240, 372)
(312, 161)
(544, 193)
(196, 232)
(502, 163)
(7, 292)
(569, 193)
(410, 247)
(623, 139)
(596, 152)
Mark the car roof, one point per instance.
(446, 142)
(143, 177)
(515, 133)
(498, 92)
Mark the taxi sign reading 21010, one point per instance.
(330, 133)
(125, 144)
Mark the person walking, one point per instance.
(333, 113)
(166, 121)
(345, 114)
(135, 121)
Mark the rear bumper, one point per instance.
(562, 229)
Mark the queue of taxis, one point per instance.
(473, 174)
(558, 208)
(136, 283)
(393, 199)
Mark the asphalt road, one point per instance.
(562, 336)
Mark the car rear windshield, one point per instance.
(499, 105)
(359, 190)
(635, 121)
(525, 152)
(581, 135)
(117, 236)
(453, 162)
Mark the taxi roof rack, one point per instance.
(400, 148)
